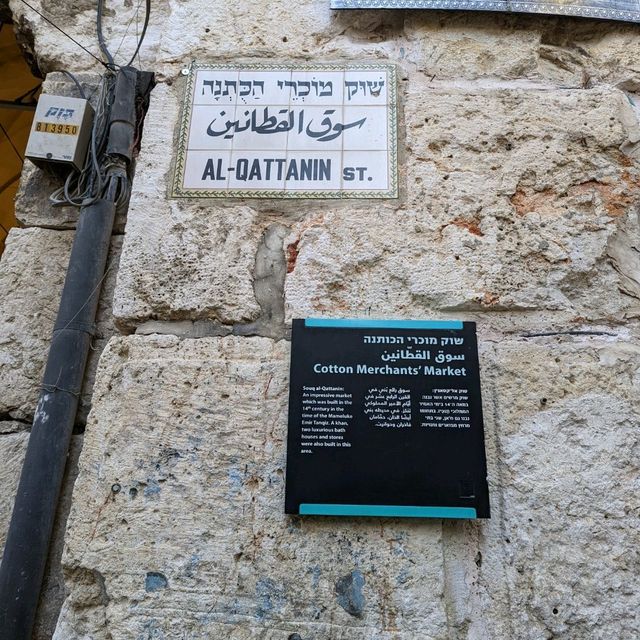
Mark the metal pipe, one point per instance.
(27, 545)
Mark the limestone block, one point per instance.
(244, 30)
(471, 46)
(579, 518)
(13, 447)
(12, 426)
(177, 523)
(182, 259)
(613, 52)
(32, 273)
(33, 207)
(559, 556)
(511, 200)
(490, 47)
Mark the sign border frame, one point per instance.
(340, 509)
(178, 191)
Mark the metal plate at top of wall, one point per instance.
(288, 131)
(626, 10)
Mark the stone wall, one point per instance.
(518, 209)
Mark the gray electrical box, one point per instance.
(60, 131)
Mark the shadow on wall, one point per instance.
(18, 97)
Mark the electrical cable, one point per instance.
(101, 41)
(53, 24)
(8, 137)
(147, 14)
(85, 186)
(77, 83)
(101, 175)
(103, 45)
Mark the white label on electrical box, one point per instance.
(60, 131)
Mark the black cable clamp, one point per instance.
(85, 327)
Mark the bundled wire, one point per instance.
(101, 175)
(103, 45)
(84, 187)
(101, 41)
(76, 82)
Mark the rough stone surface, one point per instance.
(513, 199)
(470, 45)
(12, 426)
(193, 433)
(32, 273)
(182, 260)
(558, 557)
(518, 144)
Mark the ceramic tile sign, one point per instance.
(385, 419)
(625, 10)
(288, 131)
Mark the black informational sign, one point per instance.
(385, 419)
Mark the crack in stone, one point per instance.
(268, 285)
(568, 333)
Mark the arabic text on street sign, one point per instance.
(288, 131)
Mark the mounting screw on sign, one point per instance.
(355, 173)
(185, 72)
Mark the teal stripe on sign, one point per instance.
(390, 511)
(364, 323)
